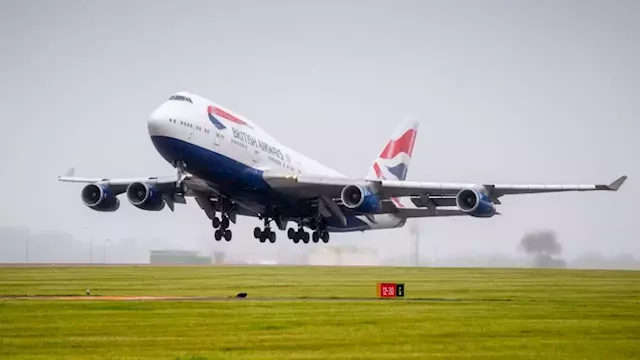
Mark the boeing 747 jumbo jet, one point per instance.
(232, 167)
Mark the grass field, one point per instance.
(447, 313)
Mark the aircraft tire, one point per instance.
(257, 232)
(227, 235)
(315, 236)
(272, 237)
(215, 222)
(218, 235)
(325, 236)
(224, 223)
(291, 233)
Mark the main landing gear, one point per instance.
(300, 234)
(266, 234)
(222, 228)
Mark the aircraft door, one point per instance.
(256, 156)
(217, 138)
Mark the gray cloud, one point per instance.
(505, 92)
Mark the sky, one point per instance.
(505, 92)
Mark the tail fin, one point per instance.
(393, 162)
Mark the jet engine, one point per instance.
(359, 198)
(475, 203)
(145, 196)
(97, 197)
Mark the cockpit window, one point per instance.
(180, 98)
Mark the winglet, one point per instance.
(616, 184)
(69, 173)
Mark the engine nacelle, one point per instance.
(98, 197)
(359, 198)
(475, 203)
(145, 196)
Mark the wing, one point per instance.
(174, 190)
(305, 186)
(167, 184)
(116, 184)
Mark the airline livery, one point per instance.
(231, 167)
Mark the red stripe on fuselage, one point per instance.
(225, 115)
(402, 144)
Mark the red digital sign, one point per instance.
(390, 290)
(387, 290)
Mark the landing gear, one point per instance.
(223, 233)
(222, 228)
(266, 234)
(297, 235)
(324, 235)
(300, 234)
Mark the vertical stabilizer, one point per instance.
(394, 159)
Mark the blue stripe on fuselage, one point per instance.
(210, 165)
(234, 178)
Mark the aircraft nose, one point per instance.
(158, 121)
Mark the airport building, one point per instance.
(343, 256)
(178, 257)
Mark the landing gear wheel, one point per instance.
(325, 236)
(305, 237)
(315, 237)
(218, 235)
(263, 237)
(296, 239)
(272, 236)
(257, 232)
(225, 223)
(291, 233)
(227, 234)
(215, 222)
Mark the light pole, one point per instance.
(104, 250)
(90, 244)
(414, 228)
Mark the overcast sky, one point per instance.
(505, 91)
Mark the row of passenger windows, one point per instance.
(206, 131)
(189, 125)
(180, 98)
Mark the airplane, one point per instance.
(232, 167)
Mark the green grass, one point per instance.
(492, 313)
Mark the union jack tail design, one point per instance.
(393, 161)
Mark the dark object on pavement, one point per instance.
(241, 295)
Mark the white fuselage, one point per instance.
(226, 149)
